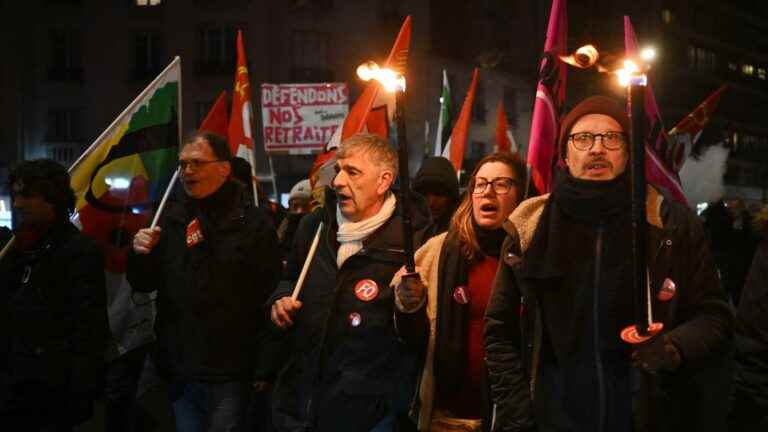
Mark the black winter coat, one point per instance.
(210, 295)
(520, 336)
(53, 324)
(344, 374)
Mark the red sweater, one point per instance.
(468, 403)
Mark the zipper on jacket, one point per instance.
(596, 328)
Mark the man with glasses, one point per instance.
(563, 295)
(212, 262)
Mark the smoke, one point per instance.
(702, 177)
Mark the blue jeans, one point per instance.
(210, 407)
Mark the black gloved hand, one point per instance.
(411, 291)
(658, 353)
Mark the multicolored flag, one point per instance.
(241, 117)
(216, 120)
(550, 97)
(505, 142)
(454, 148)
(658, 171)
(689, 129)
(118, 181)
(371, 112)
(444, 119)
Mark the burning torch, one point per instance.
(633, 76)
(393, 81)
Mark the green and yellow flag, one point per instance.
(118, 182)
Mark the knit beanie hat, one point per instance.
(438, 176)
(591, 105)
(301, 190)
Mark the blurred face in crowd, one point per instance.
(30, 209)
(495, 194)
(298, 205)
(601, 157)
(201, 173)
(361, 185)
(438, 204)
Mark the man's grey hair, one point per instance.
(376, 149)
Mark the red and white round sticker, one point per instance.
(366, 290)
(461, 295)
(667, 291)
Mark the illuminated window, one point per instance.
(666, 16)
(733, 67)
(748, 69)
(761, 73)
(148, 2)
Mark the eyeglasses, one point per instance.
(501, 185)
(195, 164)
(585, 140)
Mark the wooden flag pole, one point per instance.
(307, 262)
(7, 247)
(165, 198)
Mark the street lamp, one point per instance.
(393, 81)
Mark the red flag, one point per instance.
(657, 170)
(504, 140)
(241, 120)
(694, 123)
(550, 96)
(357, 120)
(216, 119)
(454, 149)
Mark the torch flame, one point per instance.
(630, 74)
(584, 57)
(388, 78)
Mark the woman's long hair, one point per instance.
(462, 222)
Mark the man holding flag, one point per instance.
(211, 261)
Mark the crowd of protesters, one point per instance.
(305, 320)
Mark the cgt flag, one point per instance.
(550, 96)
(117, 182)
(658, 169)
(241, 117)
(685, 133)
(371, 112)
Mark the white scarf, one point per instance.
(352, 234)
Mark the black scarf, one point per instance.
(592, 201)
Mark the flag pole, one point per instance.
(165, 198)
(307, 262)
(7, 246)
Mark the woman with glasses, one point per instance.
(442, 309)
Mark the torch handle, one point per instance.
(307, 263)
(636, 100)
(405, 181)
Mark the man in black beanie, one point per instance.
(437, 182)
(555, 357)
